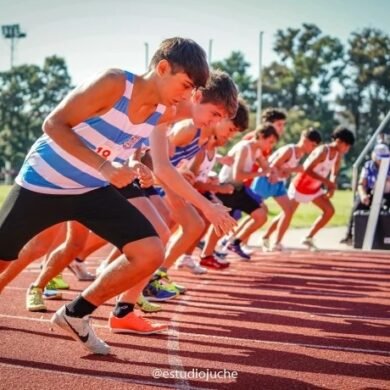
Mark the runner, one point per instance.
(67, 172)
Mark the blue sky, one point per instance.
(93, 34)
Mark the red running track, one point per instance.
(297, 320)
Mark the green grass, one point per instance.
(304, 216)
(307, 213)
(3, 193)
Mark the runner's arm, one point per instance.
(86, 101)
(310, 168)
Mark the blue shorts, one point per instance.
(261, 186)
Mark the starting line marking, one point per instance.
(227, 339)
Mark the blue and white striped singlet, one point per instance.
(51, 170)
(186, 152)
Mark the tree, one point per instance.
(309, 63)
(236, 66)
(27, 94)
(297, 121)
(365, 98)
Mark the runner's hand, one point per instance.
(219, 217)
(365, 199)
(189, 176)
(145, 175)
(225, 189)
(117, 174)
(330, 185)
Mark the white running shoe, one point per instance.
(80, 270)
(220, 259)
(222, 246)
(266, 245)
(309, 243)
(192, 264)
(80, 329)
(247, 249)
(277, 247)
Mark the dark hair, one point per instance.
(241, 120)
(312, 135)
(266, 130)
(221, 90)
(344, 135)
(273, 114)
(184, 55)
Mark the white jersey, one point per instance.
(226, 174)
(293, 161)
(206, 166)
(50, 169)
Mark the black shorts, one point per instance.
(241, 199)
(150, 191)
(132, 190)
(207, 195)
(105, 211)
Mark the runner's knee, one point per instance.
(149, 255)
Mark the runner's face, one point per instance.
(342, 147)
(279, 126)
(207, 114)
(309, 146)
(173, 87)
(268, 143)
(224, 131)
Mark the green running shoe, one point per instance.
(34, 299)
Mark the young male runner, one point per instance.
(284, 162)
(245, 153)
(67, 172)
(208, 105)
(308, 186)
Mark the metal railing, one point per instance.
(379, 186)
(369, 145)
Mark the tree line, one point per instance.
(320, 81)
(27, 94)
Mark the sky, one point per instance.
(93, 35)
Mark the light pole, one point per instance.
(259, 84)
(12, 32)
(146, 55)
(210, 51)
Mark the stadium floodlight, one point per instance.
(12, 32)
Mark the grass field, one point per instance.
(304, 216)
(307, 213)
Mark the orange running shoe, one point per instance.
(131, 323)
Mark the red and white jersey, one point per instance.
(306, 184)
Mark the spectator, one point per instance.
(366, 187)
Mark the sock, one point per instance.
(236, 241)
(122, 309)
(79, 308)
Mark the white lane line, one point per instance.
(173, 345)
(173, 348)
(236, 339)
